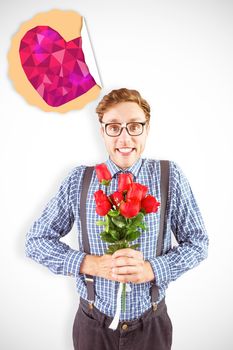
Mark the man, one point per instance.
(124, 125)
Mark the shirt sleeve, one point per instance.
(43, 239)
(185, 221)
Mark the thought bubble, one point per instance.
(47, 63)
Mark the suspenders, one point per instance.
(85, 186)
(164, 181)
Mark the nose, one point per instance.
(124, 135)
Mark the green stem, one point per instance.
(123, 297)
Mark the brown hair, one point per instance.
(122, 95)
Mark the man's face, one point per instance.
(124, 150)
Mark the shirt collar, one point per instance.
(114, 169)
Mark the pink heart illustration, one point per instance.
(54, 67)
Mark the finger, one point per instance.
(126, 278)
(124, 270)
(124, 252)
(127, 252)
(125, 261)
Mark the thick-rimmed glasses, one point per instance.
(115, 129)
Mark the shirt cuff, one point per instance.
(73, 262)
(161, 270)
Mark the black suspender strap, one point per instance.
(164, 183)
(83, 216)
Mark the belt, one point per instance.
(105, 320)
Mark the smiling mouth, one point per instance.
(125, 151)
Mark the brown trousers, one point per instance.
(152, 331)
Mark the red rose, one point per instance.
(103, 209)
(124, 181)
(116, 198)
(103, 204)
(100, 196)
(136, 190)
(130, 208)
(150, 204)
(103, 174)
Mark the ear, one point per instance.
(147, 128)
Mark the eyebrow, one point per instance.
(117, 120)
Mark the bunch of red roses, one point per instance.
(124, 209)
(124, 212)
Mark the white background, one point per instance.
(179, 55)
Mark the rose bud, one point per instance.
(136, 190)
(130, 208)
(103, 208)
(100, 197)
(116, 198)
(103, 204)
(124, 181)
(103, 174)
(150, 204)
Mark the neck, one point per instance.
(126, 167)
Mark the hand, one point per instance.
(125, 265)
(95, 265)
(128, 265)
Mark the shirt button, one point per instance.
(70, 274)
(124, 326)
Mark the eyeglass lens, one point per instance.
(114, 129)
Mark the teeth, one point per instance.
(125, 150)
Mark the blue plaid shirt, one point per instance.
(183, 218)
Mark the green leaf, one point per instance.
(138, 219)
(101, 223)
(107, 223)
(131, 228)
(111, 224)
(134, 246)
(105, 182)
(122, 233)
(119, 221)
(122, 244)
(112, 248)
(114, 234)
(133, 235)
(106, 237)
(143, 226)
(113, 213)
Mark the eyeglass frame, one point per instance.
(124, 126)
